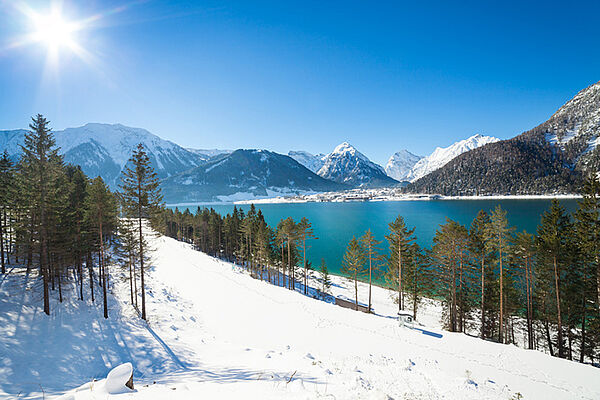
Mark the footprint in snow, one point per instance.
(193, 319)
(472, 382)
(309, 356)
(174, 327)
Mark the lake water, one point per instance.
(335, 223)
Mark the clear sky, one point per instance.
(303, 75)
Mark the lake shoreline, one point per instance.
(411, 197)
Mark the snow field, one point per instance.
(216, 332)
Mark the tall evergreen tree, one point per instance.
(142, 198)
(524, 252)
(101, 210)
(480, 255)
(6, 196)
(400, 239)
(305, 231)
(39, 164)
(499, 237)
(449, 255)
(353, 264)
(587, 235)
(325, 280)
(369, 244)
(553, 232)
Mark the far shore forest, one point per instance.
(493, 282)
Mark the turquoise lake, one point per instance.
(335, 223)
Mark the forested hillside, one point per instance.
(554, 157)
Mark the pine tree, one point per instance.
(142, 198)
(369, 244)
(353, 264)
(325, 280)
(6, 197)
(449, 252)
(400, 239)
(499, 237)
(127, 253)
(524, 252)
(553, 231)
(38, 166)
(101, 212)
(75, 207)
(289, 230)
(587, 234)
(305, 231)
(418, 277)
(480, 255)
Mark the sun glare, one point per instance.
(53, 30)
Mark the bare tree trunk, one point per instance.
(400, 305)
(548, 338)
(583, 338)
(101, 262)
(501, 331)
(370, 278)
(483, 296)
(356, 292)
(91, 273)
(142, 264)
(60, 297)
(559, 318)
(2, 219)
(306, 266)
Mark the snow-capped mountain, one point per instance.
(242, 175)
(349, 166)
(103, 149)
(554, 157)
(400, 164)
(575, 129)
(314, 162)
(443, 155)
(207, 154)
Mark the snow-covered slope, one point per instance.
(400, 164)
(11, 142)
(443, 155)
(215, 332)
(349, 166)
(575, 129)
(314, 162)
(207, 154)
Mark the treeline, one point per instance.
(277, 255)
(496, 283)
(493, 282)
(58, 222)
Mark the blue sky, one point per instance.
(305, 75)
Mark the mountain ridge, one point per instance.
(553, 157)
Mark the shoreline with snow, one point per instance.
(371, 195)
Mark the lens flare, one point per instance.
(53, 30)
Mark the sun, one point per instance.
(53, 30)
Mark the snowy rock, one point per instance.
(120, 379)
(347, 165)
(400, 164)
(443, 155)
(310, 161)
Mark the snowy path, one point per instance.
(213, 331)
